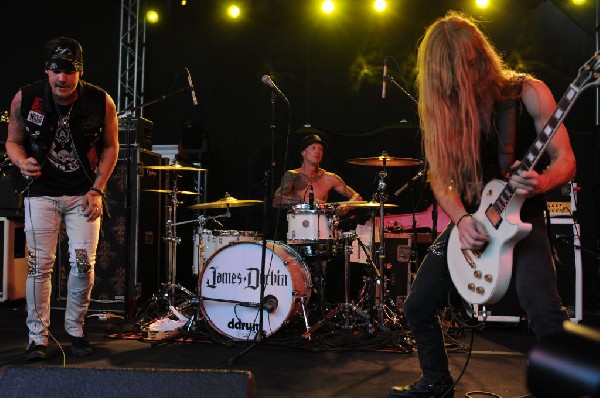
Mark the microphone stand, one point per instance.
(261, 335)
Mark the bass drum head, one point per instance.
(230, 288)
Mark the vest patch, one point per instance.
(35, 118)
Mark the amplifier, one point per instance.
(13, 262)
(136, 132)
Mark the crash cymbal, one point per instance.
(372, 205)
(227, 201)
(175, 166)
(389, 161)
(347, 203)
(169, 191)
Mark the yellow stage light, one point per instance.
(233, 11)
(183, 2)
(380, 5)
(152, 16)
(578, 2)
(327, 6)
(482, 3)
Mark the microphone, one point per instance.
(384, 84)
(412, 180)
(189, 76)
(311, 198)
(270, 303)
(266, 79)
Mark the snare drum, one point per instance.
(207, 244)
(308, 226)
(230, 288)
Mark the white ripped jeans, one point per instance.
(43, 216)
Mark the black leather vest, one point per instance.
(86, 121)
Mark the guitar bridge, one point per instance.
(467, 256)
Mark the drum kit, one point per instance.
(228, 266)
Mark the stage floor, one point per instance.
(333, 363)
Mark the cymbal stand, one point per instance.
(381, 186)
(172, 241)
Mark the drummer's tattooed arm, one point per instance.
(286, 195)
(345, 190)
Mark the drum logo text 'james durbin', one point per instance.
(250, 279)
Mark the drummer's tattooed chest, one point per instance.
(302, 181)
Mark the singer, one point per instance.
(310, 182)
(63, 134)
(481, 107)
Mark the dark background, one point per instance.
(330, 69)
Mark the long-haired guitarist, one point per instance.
(478, 116)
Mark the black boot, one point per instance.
(425, 389)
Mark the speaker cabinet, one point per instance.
(129, 263)
(565, 239)
(13, 266)
(24, 382)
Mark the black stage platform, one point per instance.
(359, 362)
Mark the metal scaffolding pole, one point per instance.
(130, 91)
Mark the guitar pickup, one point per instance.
(493, 216)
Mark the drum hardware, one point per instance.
(175, 166)
(380, 196)
(350, 312)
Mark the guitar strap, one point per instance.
(507, 134)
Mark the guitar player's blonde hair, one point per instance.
(460, 76)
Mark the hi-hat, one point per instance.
(227, 201)
(372, 205)
(170, 191)
(175, 167)
(385, 160)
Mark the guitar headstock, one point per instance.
(589, 73)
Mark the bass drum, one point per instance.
(229, 288)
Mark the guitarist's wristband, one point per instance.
(98, 190)
(461, 218)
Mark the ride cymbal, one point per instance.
(372, 205)
(385, 161)
(227, 201)
(170, 191)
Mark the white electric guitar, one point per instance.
(482, 276)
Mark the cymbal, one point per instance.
(227, 201)
(347, 203)
(389, 161)
(373, 205)
(169, 191)
(174, 167)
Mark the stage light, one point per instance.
(578, 2)
(482, 3)
(233, 11)
(380, 5)
(152, 16)
(327, 6)
(183, 2)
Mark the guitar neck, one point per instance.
(537, 148)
